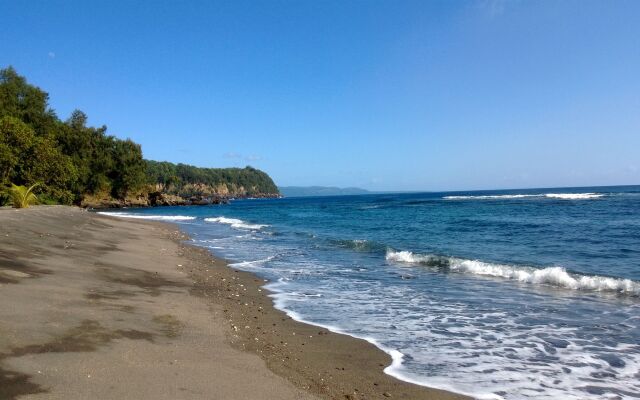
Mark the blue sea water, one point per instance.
(520, 294)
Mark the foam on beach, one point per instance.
(149, 217)
(283, 298)
(250, 264)
(551, 276)
(235, 223)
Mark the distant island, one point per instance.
(309, 191)
(72, 163)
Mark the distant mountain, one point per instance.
(307, 191)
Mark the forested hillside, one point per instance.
(187, 180)
(73, 163)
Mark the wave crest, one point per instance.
(560, 196)
(573, 196)
(552, 276)
(151, 217)
(408, 257)
(489, 197)
(235, 223)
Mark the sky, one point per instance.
(383, 95)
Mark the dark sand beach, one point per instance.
(98, 307)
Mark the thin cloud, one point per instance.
(51, 54)
(232, 155)
(239, 156)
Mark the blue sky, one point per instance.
(385, 95)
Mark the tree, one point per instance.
(27, 102)
(240, 181)
(129, 173)
(26, 158)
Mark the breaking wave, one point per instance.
(551, 276)
(561, 196)
(574, 196)
(488, 197)
(151, 217)
(235, 223)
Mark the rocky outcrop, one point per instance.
(165, 199)
(97, 201)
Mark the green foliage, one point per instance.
(69, 158)
(184, 179)
(22, 197)
(26, 102)
(129, 168)
(26, 157)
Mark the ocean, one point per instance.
(517, 294)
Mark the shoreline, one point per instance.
(149, 293)
(333, 365)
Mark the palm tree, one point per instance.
(22, 197)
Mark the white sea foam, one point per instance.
(560, 196)
(488, 197)
(151, 217)
(255, 263)
(282, 300)
(235, 223)
(406, 257)
(552, 276)
(574, 196)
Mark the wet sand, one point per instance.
(99, 307)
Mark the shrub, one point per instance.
(22, 197)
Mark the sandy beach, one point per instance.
(98, 307)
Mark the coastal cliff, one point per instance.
(171, 184)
